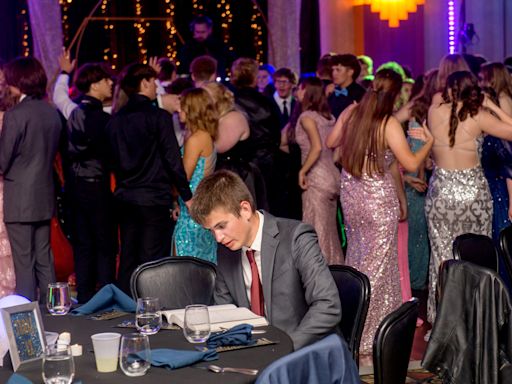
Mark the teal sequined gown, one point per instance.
(419, 247)
(190, 238)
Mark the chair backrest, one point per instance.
(326, 361)
(477, 249)
(176, 281)
(354, 290)
(393, 344)
(506, 248)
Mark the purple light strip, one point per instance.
(451, 26)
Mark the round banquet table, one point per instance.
(81, 329)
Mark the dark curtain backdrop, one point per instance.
(309, 35)
(11, 28)
(123, 38)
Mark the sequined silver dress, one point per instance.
(457, 202)
(371, 211)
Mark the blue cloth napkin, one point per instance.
(107, 298)
(238, 335)
(18, 379)
(177, 358)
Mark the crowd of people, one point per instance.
(432, 153)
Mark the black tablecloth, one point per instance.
(81, 329)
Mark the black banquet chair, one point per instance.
(176, 281)
(354, 291)
(477, 249)
(392, 344)
(506, 248)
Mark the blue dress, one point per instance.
(190, 238)
(497, 164)
(418, 243)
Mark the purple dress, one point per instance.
(319, 200)
(371, 211)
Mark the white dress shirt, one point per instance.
(246, 266)
(279, 102)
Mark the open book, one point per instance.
(221, 317)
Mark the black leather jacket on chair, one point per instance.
(471, 341)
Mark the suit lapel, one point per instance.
(238, 281)
(269, 245)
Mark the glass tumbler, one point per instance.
(196, 326)
(135, 354)
(58, 365)
(148, 318)
(58, 300)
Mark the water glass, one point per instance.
(148, 318)
(58, 365)
(196, 325)
(135, 354)
(58, 299)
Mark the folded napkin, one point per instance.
(107, 298)
(177, 358)
(238, 335)
(18, 379)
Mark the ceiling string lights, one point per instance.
(25, 43)
(256, 26)
(64, 9)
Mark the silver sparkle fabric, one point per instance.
(457, 202)
(371, 211)
(283, 34)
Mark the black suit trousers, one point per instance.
(32, 257)
(146, 235)
(94, 235)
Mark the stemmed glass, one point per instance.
(196, 326)
(58, 365)
(148, 318)
(135, 356)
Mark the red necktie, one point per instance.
(257, 302)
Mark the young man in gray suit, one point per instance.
(275, 268)
(28, 144)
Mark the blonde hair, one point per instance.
(244, 72)
(200, 110)
(222, 96)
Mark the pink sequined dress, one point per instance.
(319, 200)
(371, 211)
(7, 278)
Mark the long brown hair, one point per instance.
(314, 96)
(421, 103)
(462, 87)
(449, 64)
(363, 138)
(496, 76)
(200, 110)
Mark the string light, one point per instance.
(25, 42)
(198, 6)
(140, 25)
(64, 10)
(257, 33)
(224, 8)
(171, 29)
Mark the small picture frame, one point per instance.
(25, 332)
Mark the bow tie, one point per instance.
(340, 91)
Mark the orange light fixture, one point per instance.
(393, 11)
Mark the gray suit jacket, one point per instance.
(300, 295)
(28, 144)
